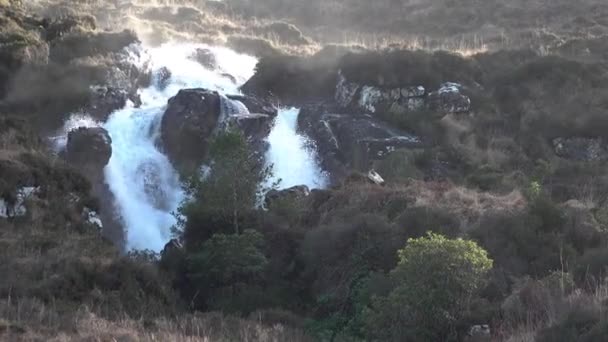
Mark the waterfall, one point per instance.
(294, 162)
(142, 179)
(145, 185)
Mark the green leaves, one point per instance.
(434, 282)
(226, 259)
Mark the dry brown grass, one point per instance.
(35, 321)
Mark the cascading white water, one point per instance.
(294, 163)
(144, 183)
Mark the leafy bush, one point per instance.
(434, 282)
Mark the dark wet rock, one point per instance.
(89, 150)
(189, 121)
(163, 78)
(205, 57)
(91, 147)
(581, 149)
(256, 127)
(193, 115)
(346, 142)
(256, 105)
(295, 193)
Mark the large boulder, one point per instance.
(193, 115)
(189, 121)
(351, 141)
(89, 146)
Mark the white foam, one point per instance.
(294, 162)
(135, 157)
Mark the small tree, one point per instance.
(233, 182)
(434, 282)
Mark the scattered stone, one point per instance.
(581, 149)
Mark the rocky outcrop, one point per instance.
(345, 142)
(193, 115)
(581, 149)
(189, 121)
(448, 99)
(17, 206)
(255, 105)
(89, 147)
(295, 193)
(373, 99)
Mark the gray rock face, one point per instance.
(449, 100)
(254, 126)
(581, 149)
(292, 194)
(89, 147)
(351, 141)
(189, 121)
(371, 99)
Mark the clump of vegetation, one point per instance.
(433, 285)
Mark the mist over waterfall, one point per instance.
(144, 183)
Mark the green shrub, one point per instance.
(434, 282)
